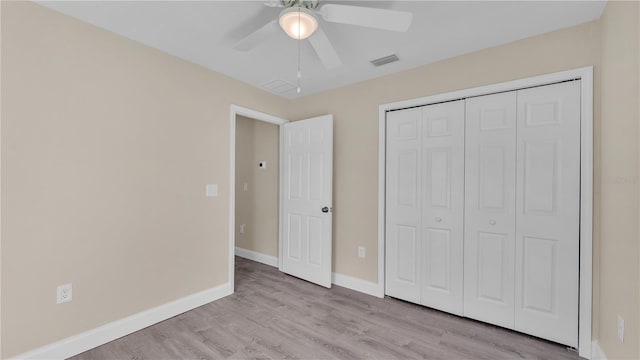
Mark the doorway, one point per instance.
(301, 201)
(257, 167)
(254, 219)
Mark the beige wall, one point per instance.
(619, 259)
(355, 110)
(107, 145)
(106, 149)
(257, 208)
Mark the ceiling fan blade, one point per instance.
(327, 54)
(255, 38)
(366, 16)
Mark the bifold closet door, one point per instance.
(505, 168)
(490, 199)
(547, 212)
(403, 194)
(442, 206)
(425, 199)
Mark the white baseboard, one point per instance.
(363, 286)
(101, 335)
(337, 279)
(596, 351)
(256, 256)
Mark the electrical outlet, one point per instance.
(361, 252)
(64, 293)
(242, 226)
(620, 329)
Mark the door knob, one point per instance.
(438, 219)
(492, 222)
(325, 209)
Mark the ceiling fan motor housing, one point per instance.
(308, 4)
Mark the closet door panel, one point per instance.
(403, 240)
(489, 243)
(442, 202)
(548, 208)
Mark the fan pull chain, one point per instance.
(299, 73)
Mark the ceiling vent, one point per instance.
(278, 86)
(385, 60)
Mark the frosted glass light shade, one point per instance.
(299, 23)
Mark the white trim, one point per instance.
(586, 177)
(232, 197)
(597, 353)
(363, 286)
(101, 335)
(490, 89)
(281, 199)
(256, 256)
(586, 213)
(255, 115)
(382, 179)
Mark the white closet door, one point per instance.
(403, 207)
(490, 220)
(442, 166)
(547, 212)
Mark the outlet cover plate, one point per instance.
(64, 293)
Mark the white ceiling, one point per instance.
(204, 32)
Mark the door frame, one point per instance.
(585, 74)
(259, 116)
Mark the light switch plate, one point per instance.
(212, 190)
(361, 252)
(620, 329)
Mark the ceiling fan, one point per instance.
(299, 20)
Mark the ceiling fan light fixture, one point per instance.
(298, 22)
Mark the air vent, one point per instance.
(278, 86)
(385, 60)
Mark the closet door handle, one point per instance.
(438, 219)
(492, 222)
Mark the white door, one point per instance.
(490, 199)
(402, 273)
(307, 208)
(547, 212)
(442, 198)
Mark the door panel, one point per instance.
(402, 272)
(308, 154)
(438, 261)
(548, 207)
(490, 208)
(442, 168)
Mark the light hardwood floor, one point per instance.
(275, 316)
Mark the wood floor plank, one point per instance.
(275, 316)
